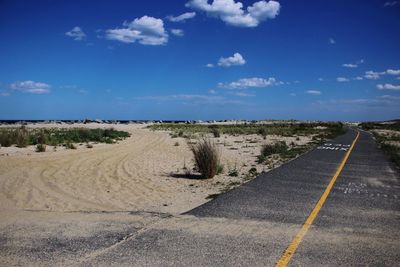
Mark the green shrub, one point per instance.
(220, 169)
(253, 172)
(69, 145)
(276, 148)
(206, 158)
(6, 139)
(216, 132)
(22, 137)
(40, 148)
(233, 173)
(261, 159)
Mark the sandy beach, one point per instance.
(142, 173)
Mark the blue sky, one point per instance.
(198, 59)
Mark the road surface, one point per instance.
(336, 205)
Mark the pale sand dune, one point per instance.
(133, 175)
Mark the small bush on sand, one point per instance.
(176, 144)
(206, 158)
(220, 169)
(233, 173)
(69, 145)
(5, 139)
(88, 145)
(22, 137)
(40, 148)
(276, 148)
(216, 132)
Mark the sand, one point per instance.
(142, 173)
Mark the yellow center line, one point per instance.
(291, 249)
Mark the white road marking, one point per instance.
(334, 147)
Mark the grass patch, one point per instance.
(384, 139)
(23, 136)
(325, 130)
(206, 158)
(275, 148)
(40, 148)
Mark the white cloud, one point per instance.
(342, 79)
(4, 93)
(145, 30)
(390, 97)
(388, 86)
(393, 72)
(350, 65)
(250, 83)
(358, 78)
(83, 92)
(321, 79)
(182, 17)
(76, 33)
(232, 13)
(332, 41)
(392, 3)
(313, 92)
(213, 92)
(292, 94)
(193, 99)
(353, 65)
(242, 94)
(209, 65)
(177, 32)
(372, 75)
(31, 87)
(235, 60)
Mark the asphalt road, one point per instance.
(251, 225)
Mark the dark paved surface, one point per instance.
(253, 224)
(286, 194)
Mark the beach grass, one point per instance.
(23, 136)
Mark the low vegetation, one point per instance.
(206, 158)
(321, 130)
(23, 136)
(40, 148)
(387, 135)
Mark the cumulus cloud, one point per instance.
(182, 17)
(391, 97)
(358, 78)
(393, 72)
(4, 93)
(332, 41)
(192, 99)
(372, 75)
(235, 60)
(250, 83)
(243, 94)
(232, 13)
(313, 92)
(353, 65)
(76, 33)
(177, 32)
(391, 3)
(31, 87)
(342, 79)
(210, 65)
(145, 30)
(350, 65)
(388, 86)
